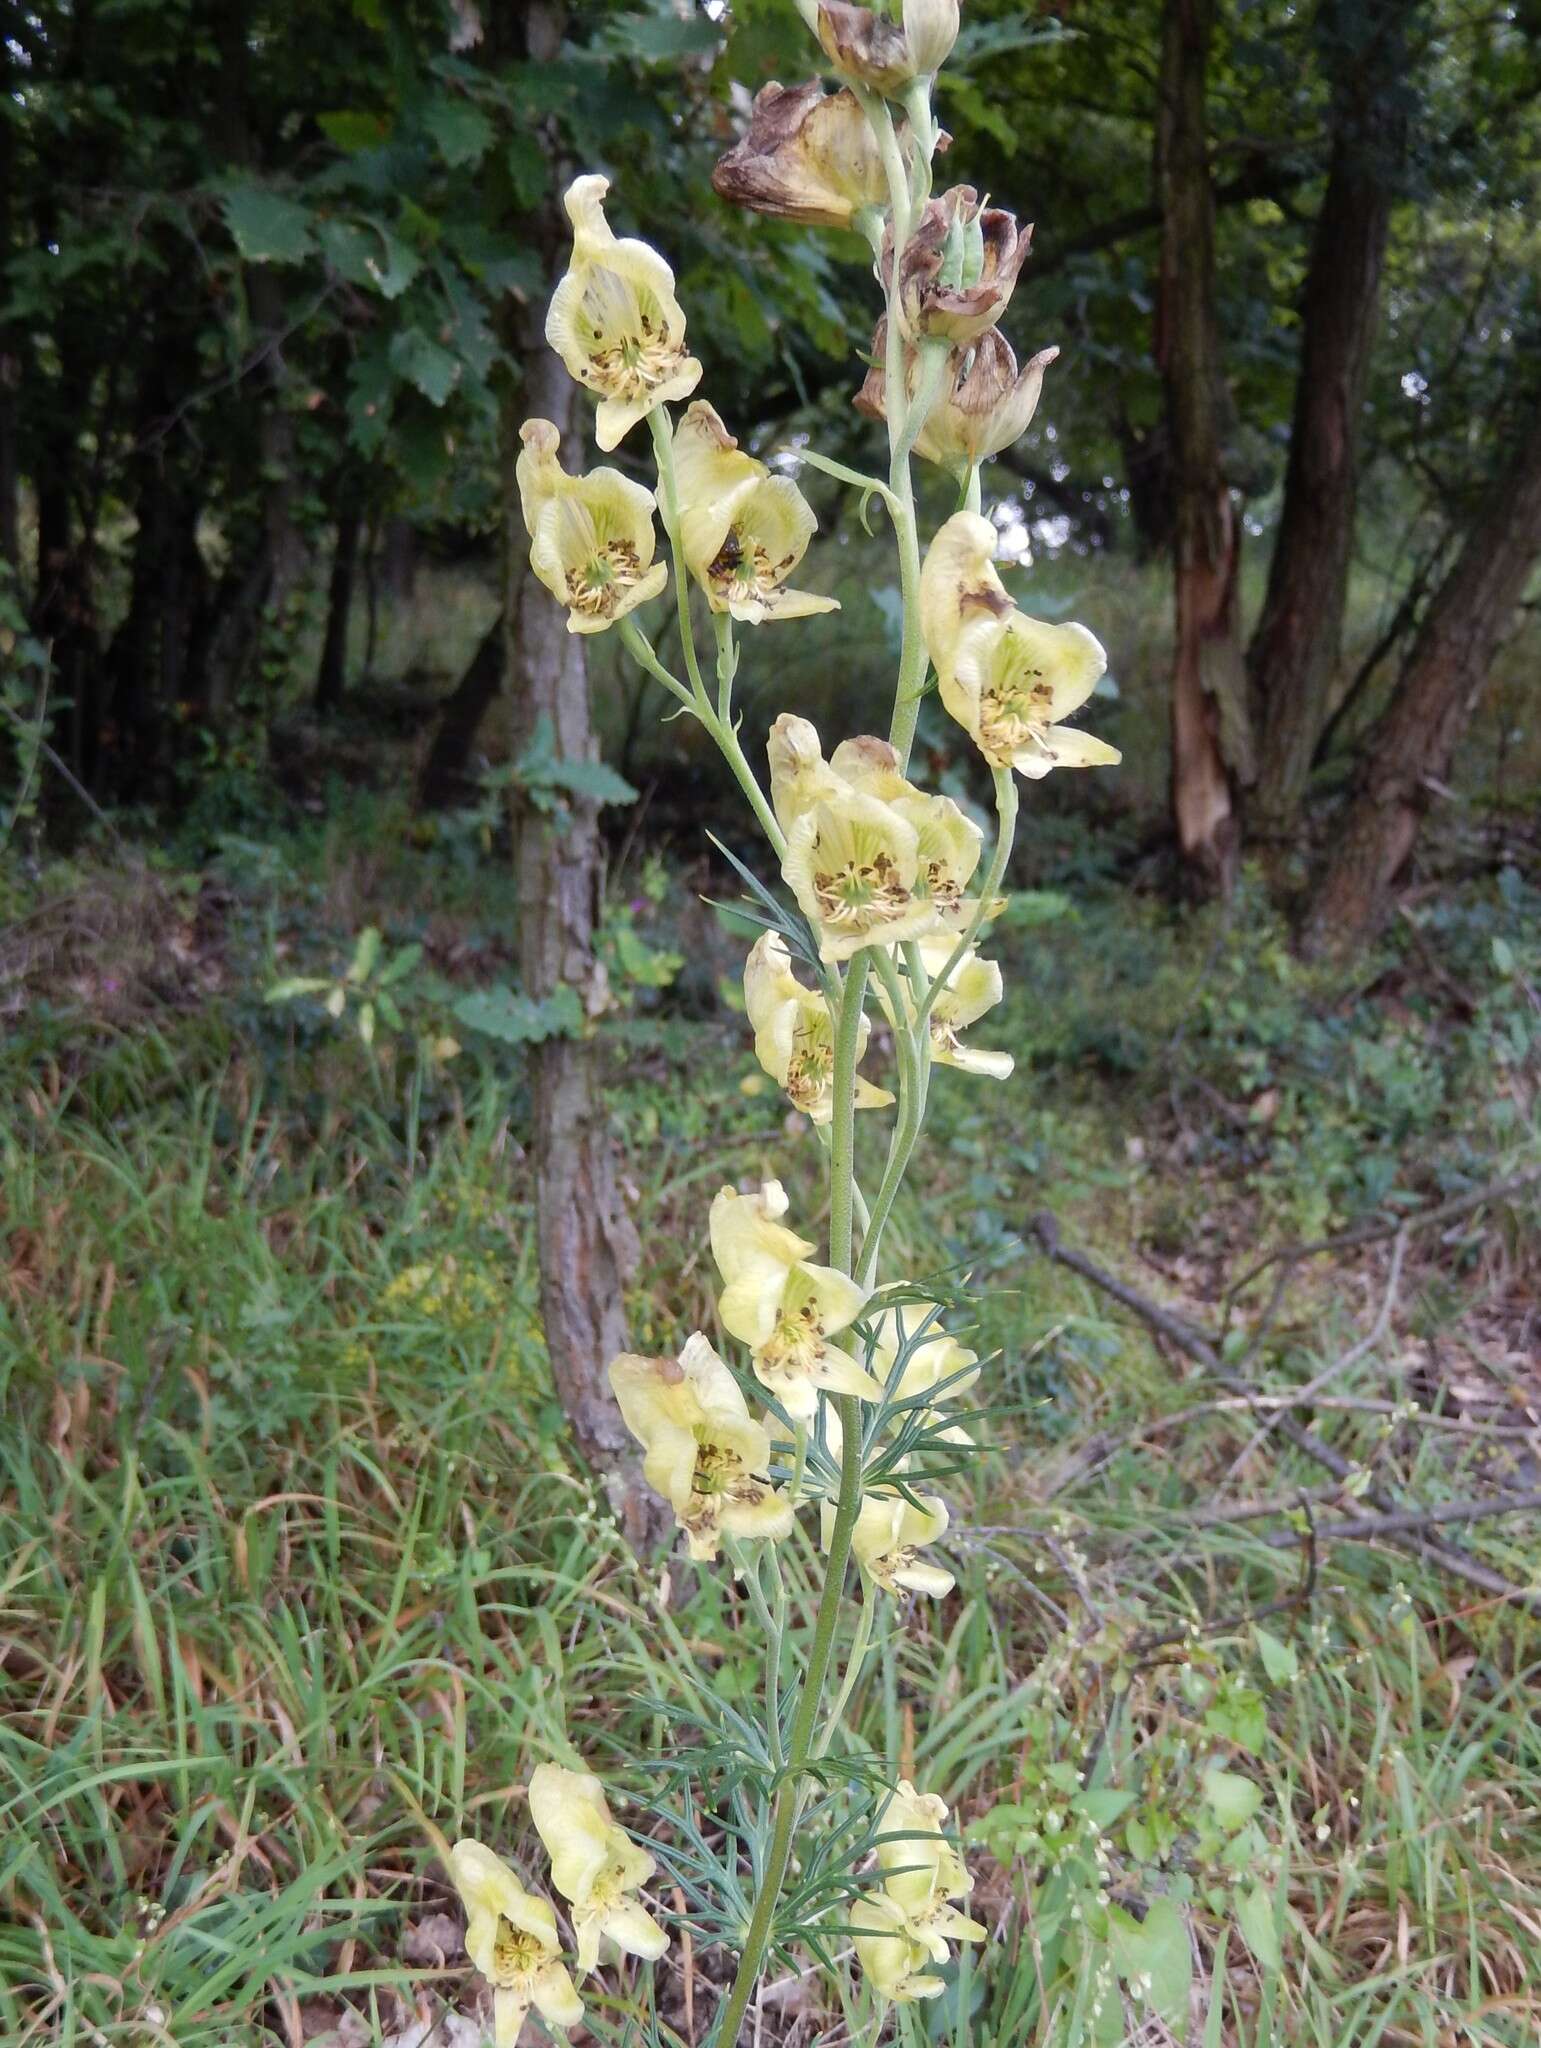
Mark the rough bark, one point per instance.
(588, 1247)
(1211, 738)
(1408, 753)
(1292, 661)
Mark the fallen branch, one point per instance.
(1438, 1549)
(1407, 1521)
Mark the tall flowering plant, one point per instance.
(841, 1401)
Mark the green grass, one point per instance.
(299, 1579)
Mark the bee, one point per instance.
(729, 556)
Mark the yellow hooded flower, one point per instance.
(973, 987)
(742, 530)
(591, 537)
(888, 1533)
(614, 319)
(794, 1034)
(511, 1937)
(784, 1308)
(907, 1925)
(986, 405)
(947, 842)
(808, 156)
(703, 1452)
(799, 773)
(871, 49)
(594, 1865)
(894, 1961)
(923, 1872)
(853, 863)
(1006, 678)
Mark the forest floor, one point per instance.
(299, 1578)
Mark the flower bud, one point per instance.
(872, 50)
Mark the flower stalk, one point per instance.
(832, 1388)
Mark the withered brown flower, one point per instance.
(808, 156)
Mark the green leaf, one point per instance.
(1103, 1805)
(503, 1013)
(655, 39)
(402, 963)
(1232, 1798)
(540, 768)
(1503, 956)
(352, 129)
(462, 132)
(365, 953)
(1279, 1659)
(295, 985)
(529, 169)
(1255, 1917)
(433, 369)
(267, 227)
(1238, 1715)
(1153, 1956)
(350, 250)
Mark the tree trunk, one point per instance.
(1292, 661)
(332, 670)
(1410, 749)
(1211, 735)
(444, 779)
(588, 1247)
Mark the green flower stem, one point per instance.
(725, 735)
(971, 497)
(842, 1127)
(913, 1058)
(800, 1744)
(1006, 813)
(669, 505)
(855, 1659)
(827, 1621)
(640, 648)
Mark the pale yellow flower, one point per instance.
(799, 773)
(511, 1937)
(923, 1871)
(785, 1308)
(872, 49)
(947, 842)
(889, 1533)
(973, 987)
(591, 537)
(906, 1926)
(742, 530)
(614, 319)
(702, 1450)
(794, 1034)
(986, 405)
(853, 863)
(594, 1865)
(893, 1959)
(1006, 678)
(959, 586)
(808, 156)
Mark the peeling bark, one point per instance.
(1211, 733)
(1410, 750)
